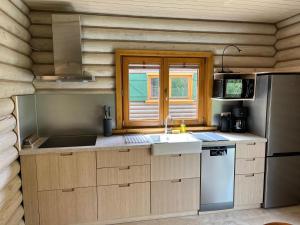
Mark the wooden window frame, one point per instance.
(205, 92)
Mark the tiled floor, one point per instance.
(242, 217)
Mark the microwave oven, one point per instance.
(229, 88)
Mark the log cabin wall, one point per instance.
(288, 44)
(103, 34)
(15, 79)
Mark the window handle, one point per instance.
(166, 94)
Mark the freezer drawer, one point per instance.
(282, 183)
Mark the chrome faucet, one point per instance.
(167, 130)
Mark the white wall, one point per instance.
(15, 79)
(288, 43)
(103, 34)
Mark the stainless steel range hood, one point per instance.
(67, 53)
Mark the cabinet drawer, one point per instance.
(124, 157)
(250, 150)
(252, 165)
(175, 196)
(175, 167)
(249, 189)
(66, 170)
(122, 201)
(70, 206)
(122, 175)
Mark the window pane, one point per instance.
(183, 86)
(144, 88)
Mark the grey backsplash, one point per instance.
(70, 114)
(221, 106)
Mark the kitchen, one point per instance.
(178, 114)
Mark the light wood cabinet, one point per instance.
(249, 170)
(123, 175)
(173, 196)
(66, 170)
(69, 206)
(249, 189)
(250, 150)
(123, 201)
(171, 167)
(252, 165)
(123, 157)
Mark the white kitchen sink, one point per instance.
(168, 144)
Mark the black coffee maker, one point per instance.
(239, 119)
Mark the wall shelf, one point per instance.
(233, 99)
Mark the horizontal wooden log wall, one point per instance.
(15, 79)
(288, 43)
(103, 34)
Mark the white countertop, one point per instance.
(117, 142)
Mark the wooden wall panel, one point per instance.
(102, 35)
(15, 79)
(288, 44)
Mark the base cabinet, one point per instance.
(173, 196)
(69, 206)
(123, 201)
(249, 189)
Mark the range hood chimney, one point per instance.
(67, 54)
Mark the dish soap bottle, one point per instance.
(182, 127)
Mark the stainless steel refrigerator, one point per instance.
(275, 114)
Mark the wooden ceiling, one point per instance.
(267, 11)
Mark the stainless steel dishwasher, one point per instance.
(217, 177)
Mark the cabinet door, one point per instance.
(123, 157)
(171, 167)
(175, 196)
(249, 189)
(66, 170)
(69, 206)
(250, 150)
(122, 201)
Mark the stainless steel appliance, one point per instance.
(233, 87)
(217, 172)
(275, 114)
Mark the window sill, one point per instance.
(160, 130)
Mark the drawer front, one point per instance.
(250, 150)
(175, 167)
(123, 201)
(249, 189)
(125, 157)
(251, 165)
(175, 196)
(69, 206)
(66, 170)
(123, 175)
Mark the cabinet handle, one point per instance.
(252, 159)
(251, 143)
(124, 168)
(124, 185)
(176, 181)
(124, 150)
(178, 155)
(66, 154)
(250, 175)
(68, 190)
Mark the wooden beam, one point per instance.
(7, 211)
(288, 31)
(13, 27)
(12, 73)
(17, 218)
(7, 157)
(12, 57)
(21, 6)
(289, 54)
(9, 88)
(6, 107)
(289, 21)
(7, 124)
(13, 42)
(9, 173)
(10, 189)
(289, 42)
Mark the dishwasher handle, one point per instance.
(218, 152)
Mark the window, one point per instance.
(150, 85)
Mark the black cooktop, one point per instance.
(69, 141)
